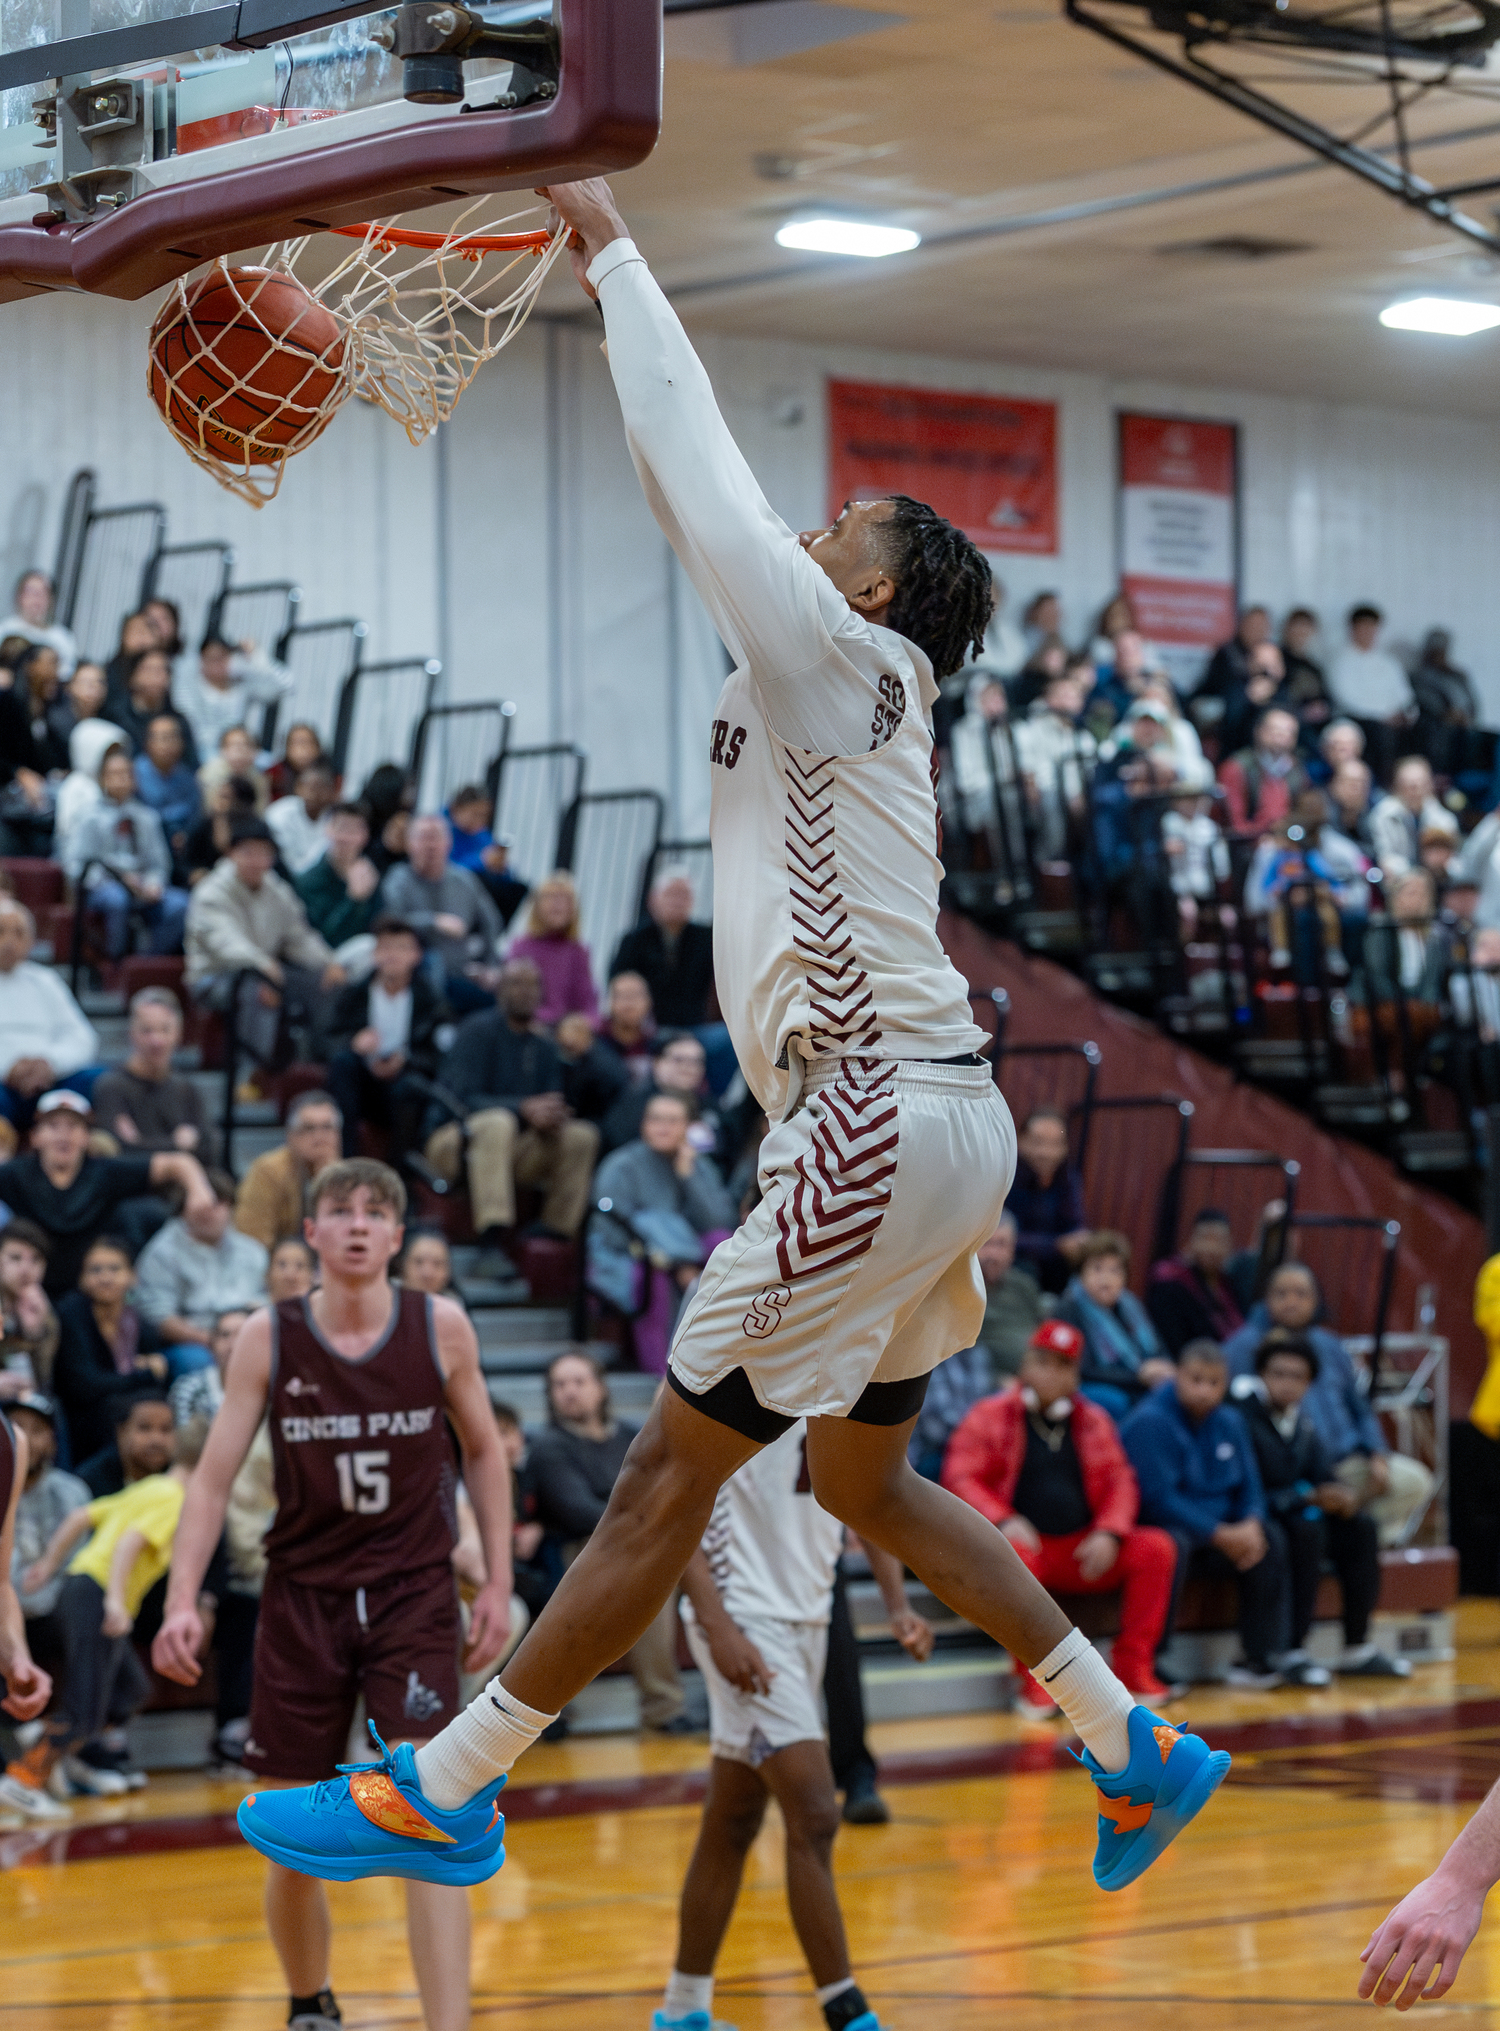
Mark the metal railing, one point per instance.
(535, 790)
(1121, 1168)
(1345, 1280)
(458, 744)
(990, 1008)
(78, 501)
(320, 657)
(607, 843)
(380, 708)
(103, 554)
(194, 577)
(1217, 1178)
(1411, 1390)
(1024, 1095)
(263, 613)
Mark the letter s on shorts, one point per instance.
(764, 1315)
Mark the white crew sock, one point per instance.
(1092, 1698)
(477, 1747)
(686, 1993)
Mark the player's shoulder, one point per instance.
(252, 1345)
(452, 1331)
(257, 1329)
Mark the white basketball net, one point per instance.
(417, 322)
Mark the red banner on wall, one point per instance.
(985, 462)
(1179, 534)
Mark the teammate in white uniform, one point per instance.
(892, 1151)
(758, 1598)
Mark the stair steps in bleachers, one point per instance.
(630, 1395)
(541, 1335)
(967, 1673)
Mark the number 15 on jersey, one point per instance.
(364, 1485)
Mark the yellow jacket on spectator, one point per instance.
(1485, 1409)
(151, 1506)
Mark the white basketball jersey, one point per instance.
(771, 1549)
(825, 822)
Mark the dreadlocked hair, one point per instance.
(945, 590)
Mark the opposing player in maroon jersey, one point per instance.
(27, 1686)
(359, 1380)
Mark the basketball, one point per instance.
(246, 364)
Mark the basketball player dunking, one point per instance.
(892, 1151)
(359, 1381)
(27, 1686)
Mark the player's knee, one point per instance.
(658, 1478)
(858, 1498)
(812, 1822)
(741, 1825)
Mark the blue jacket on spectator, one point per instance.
(1042, 1213)
(1339, 1409)
(174, 798)
(1193, 1476)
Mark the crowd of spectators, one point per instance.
(456, 1016)
(1304, 813)
(1125, 1444)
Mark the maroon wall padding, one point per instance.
(1440, 1244)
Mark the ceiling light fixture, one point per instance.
(1449, 316)
(849, 236)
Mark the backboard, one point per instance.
(141, 138)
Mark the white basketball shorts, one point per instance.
(749, 1727)
(858, 1265)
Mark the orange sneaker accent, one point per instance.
(384, 1806)
(1166, 1740)
(1128, 1818)
(35, 1767)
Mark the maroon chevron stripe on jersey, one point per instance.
(840, 997)
(843, 1179)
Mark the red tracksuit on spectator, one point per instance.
(1008, 1457)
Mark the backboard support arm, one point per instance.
(1368, 164)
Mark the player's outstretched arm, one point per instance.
(486, 1477)
(27, 1686)
(247, 1383)
(745, 563)
(1416, 1954)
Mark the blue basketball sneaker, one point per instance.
(372, 1820)
(1169, 1779)
(695, 2020)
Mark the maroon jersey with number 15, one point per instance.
(365, 1486)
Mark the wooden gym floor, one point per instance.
(974, 1908)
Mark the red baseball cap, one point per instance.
(1056, 1336)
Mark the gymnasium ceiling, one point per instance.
(987, 119)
